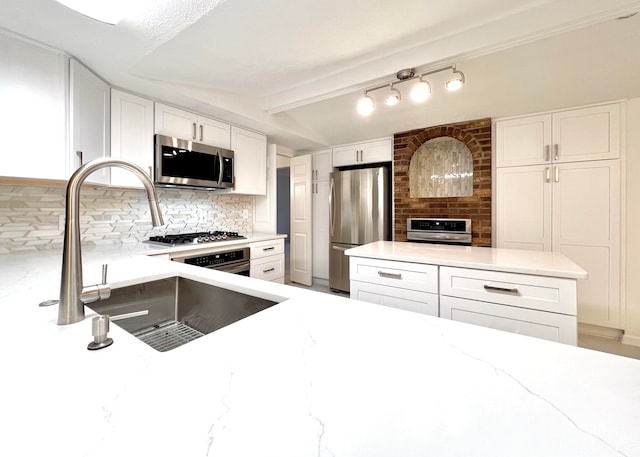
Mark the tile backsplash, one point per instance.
(32, 218)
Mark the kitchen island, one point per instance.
(315, 375)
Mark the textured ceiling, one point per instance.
(294, 68)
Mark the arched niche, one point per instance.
(441, 167)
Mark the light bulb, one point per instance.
(456, 81)
(421, 91)
(393, 98)
(365, 105)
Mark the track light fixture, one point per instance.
(420, 92)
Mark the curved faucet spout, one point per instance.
(71, 307)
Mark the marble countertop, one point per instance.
(315, 375)
(541, 263)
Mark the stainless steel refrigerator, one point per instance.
(358, 214)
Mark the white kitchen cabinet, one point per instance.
(322, 164)
(403, 285)
(90, 119)
(321, 169)
(591, 133)
(131, 136)
(540, 306)
(549, 326)
(175, 122)
(250, 161)
(267, 260)
(320, 230)
(363, 153)
(573, 208)
(33, 99)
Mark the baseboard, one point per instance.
(631, 340)
(320, 282)
(602, 332)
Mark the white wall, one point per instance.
(632, 332)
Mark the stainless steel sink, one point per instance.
(180, 310)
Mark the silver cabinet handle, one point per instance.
(548, 173)
(201, 132)
(150, 171)
(271, 248)
(384, 274)
(509, 290)
(339, 248)
(557, 179)
(546, 153)
(556, 152)
(194, 130)
(79, 154)
(268, 270)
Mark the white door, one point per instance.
(586, 228)
(249, 161)
(90, 119)
(175, 122)
(301, 218)
(523, 207)
(214, 133)
(523, 141)
(265, 208)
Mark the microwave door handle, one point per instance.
(220, 162)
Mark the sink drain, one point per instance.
(169, 336)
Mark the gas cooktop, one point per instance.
(195, 238)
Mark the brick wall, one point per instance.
(476, 135)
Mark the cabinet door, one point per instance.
(586, 228)
(346, 155)
(33, 100)
(131, 135)
(523, 207)
(322, 164)
(301, 220)
(321, 229)
(377, 151)
(214, 133)
(90, 119)
(523, 141)
(250, 161)
(175, 122)
(587, 134)
(538, 324)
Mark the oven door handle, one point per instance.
(233, 268)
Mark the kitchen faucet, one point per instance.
(73, 295)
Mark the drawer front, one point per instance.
(557, 295)
(268, 268)
(266, 248)
(404, 275)
(538, 324)
(410, 300)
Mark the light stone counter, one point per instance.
(541, 263)
(316, 375)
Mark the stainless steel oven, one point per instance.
(236, 261)
(439, 231)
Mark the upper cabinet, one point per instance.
(89, 119)
(250, 161)
(363, 153)
(591, 133)
(131, 136)
(182, 124)
(321, 165)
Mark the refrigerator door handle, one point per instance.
(332, 213)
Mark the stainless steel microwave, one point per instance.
(184, 163)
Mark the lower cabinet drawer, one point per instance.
(539, 324)
(543, 293)
(266, 248)
(405, 275)
(410, 300)
(268, 268)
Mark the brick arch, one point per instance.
(476, 135)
